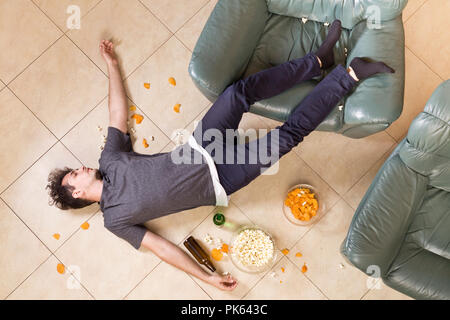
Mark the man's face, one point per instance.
(81, 179)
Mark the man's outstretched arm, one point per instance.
(175, 256)
(118, 104)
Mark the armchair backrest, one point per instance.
(350, 12)
(427, 148)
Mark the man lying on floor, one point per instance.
(133, 188)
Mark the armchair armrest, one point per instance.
(381, 221)
(226, 44)
(379, 99)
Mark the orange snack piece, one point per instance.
(304, 268)
(224, 248)
(282, 269)
(60, 268)
(144, 142)
(303, 204)
(139, 118)
(216, 254)
(85, 226)
(147, 86)
(172, 81)
(56, 236)
(298, 255)
(285, 251)
(133, 108)
(177, 108)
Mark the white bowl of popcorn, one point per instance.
(252, 249)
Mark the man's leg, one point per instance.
(301, 122)
(227, 111)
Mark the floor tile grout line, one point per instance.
(371, 167)
(74, 276)
(415, 11)
(315, 224)
(426, 64)
(56, 142)
(173, 32)
(34, 60)
(308, 279)
(178, 244)
(27, 277)
(394, 142)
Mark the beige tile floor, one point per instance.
(53, 91)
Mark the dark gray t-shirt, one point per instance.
(138, 187)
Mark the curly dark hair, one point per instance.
(61, 196)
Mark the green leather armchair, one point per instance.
(402, 225)
(242, 37)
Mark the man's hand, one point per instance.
(175, 256)
(107, 52)
(226, 283)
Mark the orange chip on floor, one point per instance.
(133, 108)
(285, 251)
(216, 254)
(177, 108)
(304, 268)
(298, 255)
(60, 268)
(56, 236)
(224, 248)
(144, 142)
(172, 81)
(147, 86)
(139, 118)
(85, 226)
(282, 269)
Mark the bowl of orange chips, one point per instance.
(301, 205)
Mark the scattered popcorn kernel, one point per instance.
(139, 118)
(144, 142)
(56, 236)
(226, 273)
(224, 248)
(326, 24)
(133, 108)
(85, 226)
(304, 268)
(172, 81)
(285, 251)
(177, 108)
(60, 268)
(216, 254)
(99, 128)
(304, 20)
(273, 274)
(101, 148)
(208, 239)
(282, 269)
(341, 265)
(298, 255)
(147, 86)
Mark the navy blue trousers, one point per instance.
(227, 112)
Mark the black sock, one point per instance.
(325, 52)
(364, 69)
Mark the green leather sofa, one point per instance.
(242, 37)
(402, 225)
